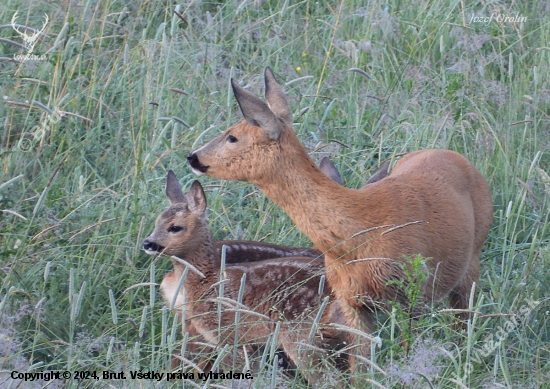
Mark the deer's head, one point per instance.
(182, 228)
(249, 150)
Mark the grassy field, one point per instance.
(123, 91)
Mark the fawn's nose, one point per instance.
(151, 246)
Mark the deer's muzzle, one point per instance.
(197, 166)
(151, 247)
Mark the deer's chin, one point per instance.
(151, 252)
(198, 172)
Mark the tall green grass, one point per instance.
(139, 87)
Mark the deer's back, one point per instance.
(435, 204)
(244, 251)
(283, 289)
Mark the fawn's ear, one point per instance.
(173, 189)
(330, 170)
(383, 172)
(196, 200)
(256, 112)
(276, 98)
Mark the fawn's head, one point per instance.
(182, 228)
(252, 148)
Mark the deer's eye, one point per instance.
(175, 229)
(231, 139)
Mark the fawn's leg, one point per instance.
(309, 357)
(358, 317)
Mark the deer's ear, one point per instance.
(196, 200)
(330, 170)
(256, 112)
(276, 98)
(173, 189)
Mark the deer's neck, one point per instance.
(202, 257)
(325, 211)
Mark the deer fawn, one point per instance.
(434, 203)
(284, 290)
(237, 251)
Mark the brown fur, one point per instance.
(438, 197)
(237, 251)
(240, 251)
(282, 289)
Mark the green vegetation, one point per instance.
(407, 318)
(138, 87)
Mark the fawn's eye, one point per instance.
(231, 139)
(175, 229)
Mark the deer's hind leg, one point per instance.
(460, 295)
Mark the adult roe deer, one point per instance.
(281, 289)
(434, 203)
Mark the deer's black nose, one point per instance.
(151, 246)
(195, 163)
(193, 160)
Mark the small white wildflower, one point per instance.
(378, 341)
(365, 45)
